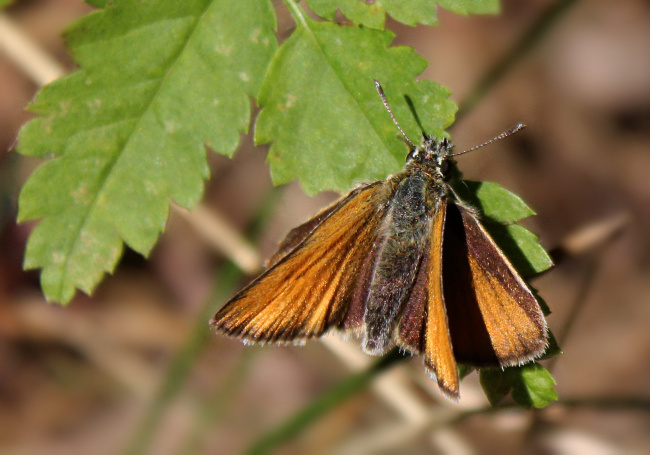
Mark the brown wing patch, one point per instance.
(308, 290)
(512, 317)
(354, 318)
(410, 330)
(439, 358)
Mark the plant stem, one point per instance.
(297, 13)
(321, 405)
(217, 403)
(182, 364)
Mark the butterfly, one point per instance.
(399, 262)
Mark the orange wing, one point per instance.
(309, 288)
(439, 359)
(512, 316)
(494, 319)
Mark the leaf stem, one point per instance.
(297, 12)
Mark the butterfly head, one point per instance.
(432, 156)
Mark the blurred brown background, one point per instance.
(81, 379)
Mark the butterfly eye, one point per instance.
(444, 167)
(413, 155)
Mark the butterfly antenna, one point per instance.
(503, 135)
(390, 112)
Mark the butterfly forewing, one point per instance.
(308, 290)
(438, 351)
(511, 315)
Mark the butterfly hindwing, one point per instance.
(471, 341)
(309, 288)
(468, 304)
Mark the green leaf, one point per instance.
(527, 243)
(496, 383)
(534, 386)
(98, 3)
(126, 134)
(531, 385)
(464, 370)
(497, 203)
(373, 13)
(466, 7)
(4, 3)
(521, 247)
(321, 111)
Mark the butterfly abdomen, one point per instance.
(402, 241)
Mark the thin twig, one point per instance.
(392, 388)
(218, 233)
(37, 64)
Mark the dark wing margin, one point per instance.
(309, 288)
